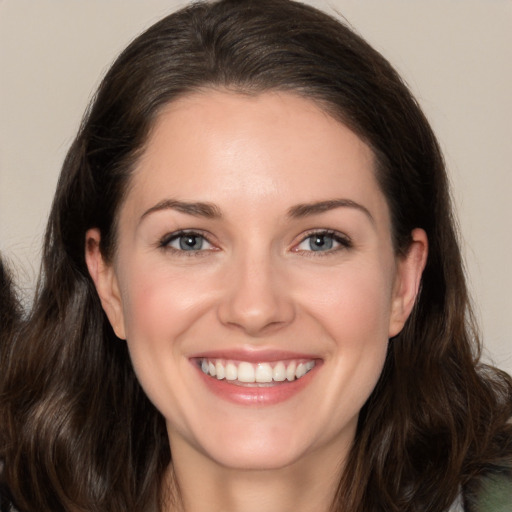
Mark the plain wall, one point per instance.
(456, 56)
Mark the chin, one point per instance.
(260, 448)
(270, 458)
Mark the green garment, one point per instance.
(494, 493)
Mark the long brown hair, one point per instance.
(77, 431)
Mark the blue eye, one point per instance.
(186, 241)
(323, 242)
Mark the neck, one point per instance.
(205, 486)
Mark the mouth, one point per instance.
(251, 379)
(260, 374)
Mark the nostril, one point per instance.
(265, 318)
(255, 298)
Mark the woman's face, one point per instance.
(255, 279)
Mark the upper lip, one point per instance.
(253, 355)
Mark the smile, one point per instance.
(244, 372)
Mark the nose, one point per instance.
(256, 298)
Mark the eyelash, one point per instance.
(165, 242)
(343, 241)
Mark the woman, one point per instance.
(252, 293)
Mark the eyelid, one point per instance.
(164, 241)
(342, 239)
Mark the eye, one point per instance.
(323, 241)
(186, 241)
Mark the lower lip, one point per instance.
(254, 395)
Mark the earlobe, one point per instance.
(407, 284)
(105, 281)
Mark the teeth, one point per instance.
(246, 372)
(279, 373)
(219, 370)
(231, 371)
(290, 371)
(264, 373)
(300, 371)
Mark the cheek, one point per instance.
(156, 299)
(164, 307)
(159, 309)
(353, 303)
(353, 308)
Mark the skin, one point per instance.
(255, 284)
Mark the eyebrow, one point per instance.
(211, 211)
(199, 209)
(307, 209)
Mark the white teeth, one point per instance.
(264, 372)
(246, 372)
(290, 371)
(300, 371)
(220, 370)
(279, 373)
(231, 372)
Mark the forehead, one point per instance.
(272, 147)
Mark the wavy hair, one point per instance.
(77, 431)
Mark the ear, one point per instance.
(105, 280)
(407, 282)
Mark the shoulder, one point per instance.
(492, 493)
(5, 500)
(6, 505)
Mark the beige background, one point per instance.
(455, 54)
